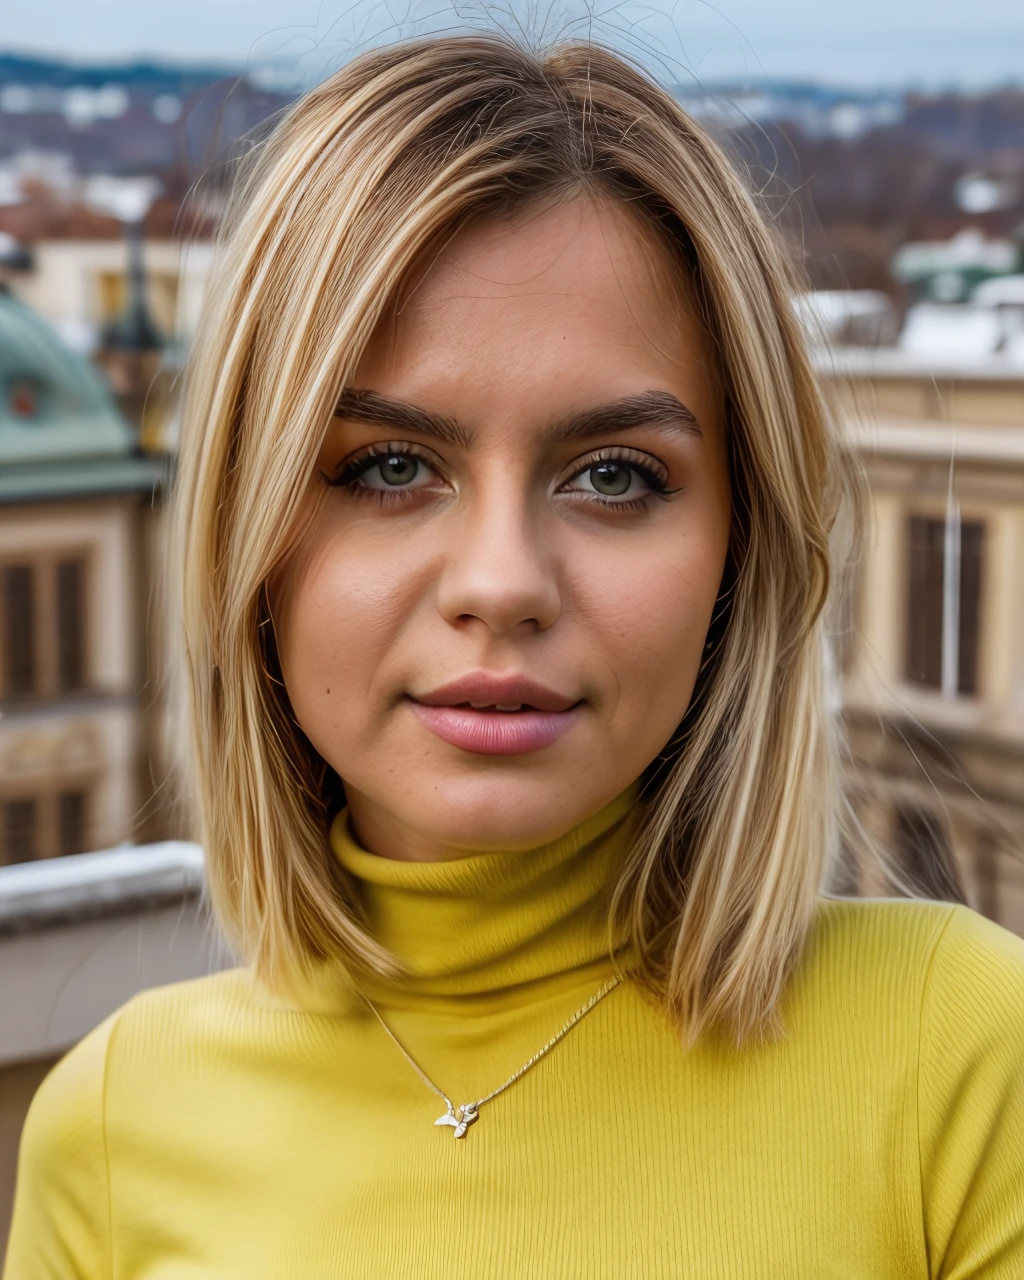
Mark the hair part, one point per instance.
(358, 185)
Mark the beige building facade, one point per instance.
(74, 751)
(933, 662)
(79, 535)
(81, 285)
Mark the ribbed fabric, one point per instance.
(210, 1130)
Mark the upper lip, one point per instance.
(489, 690)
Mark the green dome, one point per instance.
(54, 406)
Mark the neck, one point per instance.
(380, 831)
(483, 923)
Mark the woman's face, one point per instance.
(496, 616)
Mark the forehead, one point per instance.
(562, 306)
(579, 251)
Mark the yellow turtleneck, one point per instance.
(210, 1130)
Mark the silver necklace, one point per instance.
(469, 1111)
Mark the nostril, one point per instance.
(501, 602)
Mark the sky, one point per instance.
(930, 43)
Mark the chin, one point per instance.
(502, 811)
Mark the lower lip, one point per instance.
(496, 733)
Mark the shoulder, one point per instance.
(65, 1129)
(907, 966)
(879, 928)
(162, 1034)
(180, 1012)
(60, 1223)
(979, 967)
(66, 1115)
(69, 1102)
(918, 934)
(944, 948)
(971, 1098)
(161, 1045)
(871, 951)
(939, 985)
(972, 1009)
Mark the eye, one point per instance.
(612, 480)
(386, 469)
(395, 471)
(616, 479)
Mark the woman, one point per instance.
(503, 522)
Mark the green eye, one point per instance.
(398, 469)
(611, 478)
(390, 468)
(389, 471)
(615, 480)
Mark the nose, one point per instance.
(497, 572)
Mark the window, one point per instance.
(70, 625)
(161, 297)
(43, 627)
(19, 628)
(20, 830)
(71, 823)
(48, 824)
(926, 854)
(925, 599)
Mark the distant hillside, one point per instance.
(848, 175)
(128, 118)
(145, 78)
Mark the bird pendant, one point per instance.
(467, 1114)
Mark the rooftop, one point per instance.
(61, 433)
(952, 361)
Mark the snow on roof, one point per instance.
(968, 248)
(1001, 291)
(944, 330)
(830, 305)
(894, 362)
(86, 885)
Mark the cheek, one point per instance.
(652, 617)
(342, 602)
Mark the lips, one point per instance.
(482, 690)
(496, 715)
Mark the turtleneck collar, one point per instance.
(490, 922)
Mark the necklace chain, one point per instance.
(469, 1111)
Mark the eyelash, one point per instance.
(639, 462)
(349, 474)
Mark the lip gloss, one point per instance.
(496, 733)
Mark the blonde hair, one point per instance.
(385, 159)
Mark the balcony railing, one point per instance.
(81, 935)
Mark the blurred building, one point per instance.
(82, 287)
(949, 270)
(848, 317)
(79, 532)
(932, 646)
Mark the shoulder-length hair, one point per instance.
(361, 178)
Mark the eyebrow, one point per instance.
(647, 409)
(368, 406)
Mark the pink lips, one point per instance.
(540, 720)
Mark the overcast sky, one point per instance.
(867, 42)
